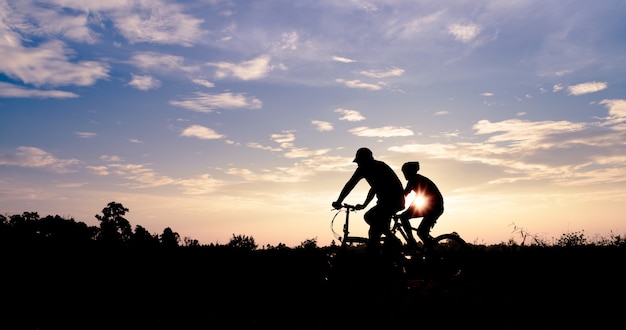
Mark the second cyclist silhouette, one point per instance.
(384, 185)
(427, 203)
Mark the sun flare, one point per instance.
(419, 201)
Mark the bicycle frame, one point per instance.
(346, 239)
(445, 259)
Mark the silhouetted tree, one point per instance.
(242, 242)
(113, 226)
(24, 227)
(188, 241)
(58, 230)
(310, 243)
(142, 238)
(169, 238)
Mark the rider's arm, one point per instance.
(356, 177)
(370, 195)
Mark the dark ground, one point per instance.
(505, 288)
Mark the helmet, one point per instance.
(363, 154)
(410, 167)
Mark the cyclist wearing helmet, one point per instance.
(385, 185)
(428, 203)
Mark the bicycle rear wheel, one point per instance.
(448, 258)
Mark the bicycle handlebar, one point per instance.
(349, 207)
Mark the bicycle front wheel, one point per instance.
(449, 257)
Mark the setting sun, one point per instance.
(415, 199)
(419, 201)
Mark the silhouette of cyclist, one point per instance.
(428, 203)
(385, 185)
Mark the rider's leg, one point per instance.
(423, 230)
(379, 219)
(372, 218)
(406, 224)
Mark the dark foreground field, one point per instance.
(507, 287)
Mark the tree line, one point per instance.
(114, 230)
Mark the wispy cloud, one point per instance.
(139, 175)
(144, 83)
(156, 62)
(350, 115)
(204, 83)
(248, 70)
(526, 150)
(617, 110)
(285, 139)
(206, 102)
(322, 126)
(359, 84)
(342, 59)
(198, 185)
(156, 22)
(393, 72)
(586, 88)
(9, 90)
(85, 135)
(201, 132)
(386, 131)
(33, 157)
(47, 64)
(464, 33)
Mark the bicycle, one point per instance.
(445, 260)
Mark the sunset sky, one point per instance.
(220, 118)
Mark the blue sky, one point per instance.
(217, 118)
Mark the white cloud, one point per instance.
(47, 64)
(140, 175)
(387, 131)
(198, 185)
(617, 110)
(304, 153)
(256, 145)
(464, 33)
(392, 72)
(248, 70)
(201, 132)
(157, 22)
(285, 139)
(54, 21)
(289, 41)
(322, 126)
(358, 84)
(205, 102)
(160, 62)
(111, 158)
(586, 88)
(85, 135)
(9, 90)
(37, 158)
(350, 115)
(288, 174)
(557, 88)
(342, 59)
(144, 83)
(99, 170)
(524, 133)
(203, 82)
